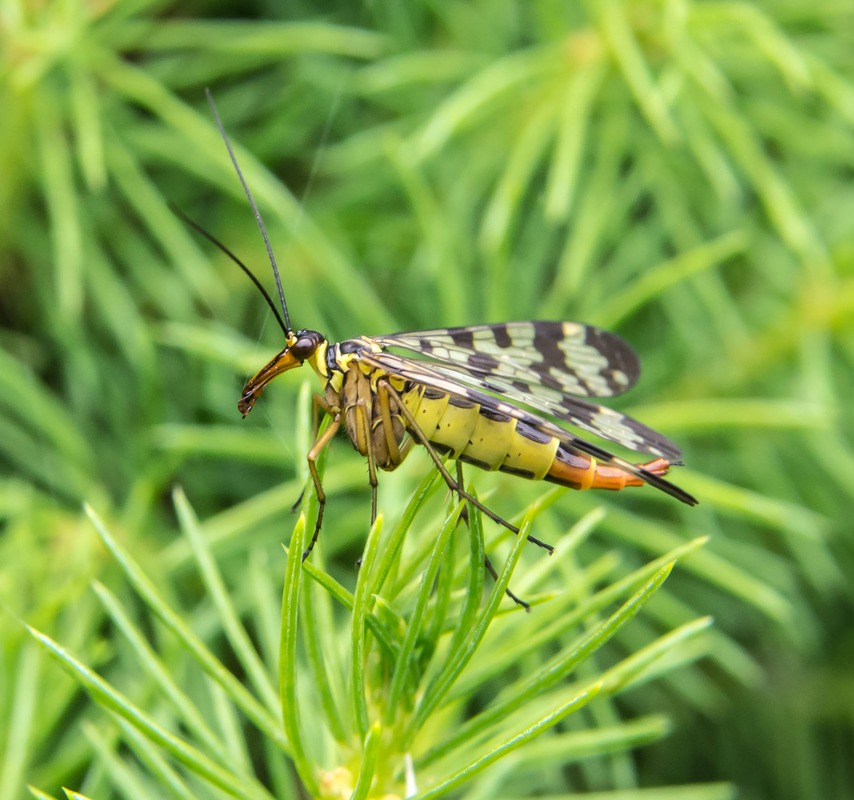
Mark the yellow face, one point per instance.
(301, 346)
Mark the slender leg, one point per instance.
(486, 562)
(394, 453)
(315, 451)
(364, 421)
(515, 598)
(464, 517)
(453, 485)
(318, 402)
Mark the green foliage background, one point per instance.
(680, 172)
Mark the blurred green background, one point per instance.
(679, 172)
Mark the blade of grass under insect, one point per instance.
(565, 550)
(154, 667)
(633, 668)
(362, 600)
(368, 762)
(19, 724)
(477, 570)
(531, 642)
(555, 670)
(237, 785)
(456, 661)
(493, 754)
(706, 565)
(347, 601)
(574, 746)
(416, 559)
(476, 567)
(119, 771)
(231, 625)
(265, 607)
(165, 775)
(319, 637)
(288, 668)
(437, 614)
(256, 712)
(416, 619)
(392, 547)
(40, 795)
(230, 724)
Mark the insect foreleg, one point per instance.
(312, 456)
(453, 485)
(318, 403)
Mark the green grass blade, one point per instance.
(237, 785)
(288, 668)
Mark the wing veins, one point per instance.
(554, 391)
(578, 359)
(419, 372)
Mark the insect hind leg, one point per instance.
(453, 485)
(486, 562)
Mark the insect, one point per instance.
(479, 394)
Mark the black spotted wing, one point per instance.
(547, 366)
(428, 374)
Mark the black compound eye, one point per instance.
(304, 347)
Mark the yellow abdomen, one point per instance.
(477, 435)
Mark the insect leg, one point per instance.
(318, 401)
(452, 484)
(363, 420)
(486, 562)
(315, 451)
(515, 598)
(395, 455)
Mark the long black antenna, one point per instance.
(211, 238)
(287, 319)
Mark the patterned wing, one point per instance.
(426, 374)
(547, 366)
(567, 357)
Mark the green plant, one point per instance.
(677, 171)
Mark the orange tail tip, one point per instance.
(579, 471)
(660, 467)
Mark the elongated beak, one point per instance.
(255, 385)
